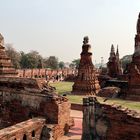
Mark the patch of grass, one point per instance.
(66, 87)
(75, 98)
(126, 103)
(62, 87)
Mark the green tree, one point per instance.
(30, 60)
(61, 64)
(14, 55)
(51, 62)
(76, 62)
(24, 63)
(126, 60)
(71, 65)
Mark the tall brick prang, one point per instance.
(134, 68)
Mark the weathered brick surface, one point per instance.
(114, 65)
(46, 73)
(86, 82)
(134, 68)
(122, 119)
(107, 122)
(31, 129)
(110, 92)
(23, 98)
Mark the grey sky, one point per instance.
(57, 27)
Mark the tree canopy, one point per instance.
(75, 63)
(126, 60)
(61, 64)
(14, 55)
(31, 60)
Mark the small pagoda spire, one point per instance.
(112, 52)
(112, 49)
(137, 38)
(117, 52)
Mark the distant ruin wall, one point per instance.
(45, 73)
(107, 122)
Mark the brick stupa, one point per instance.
(134, 68)
(6, 66)
(86, 82)
(114, 64)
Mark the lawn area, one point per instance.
(66, 87)
(62, 87)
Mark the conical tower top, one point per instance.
(112, 49)
(138, 24)
(117, 52)
(112, 52)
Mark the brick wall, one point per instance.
(43, 73)
(28, 130)
(18, 104)
(107, 122)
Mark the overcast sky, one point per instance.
(57, 27)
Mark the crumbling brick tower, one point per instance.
(134, 68)
(86, 82)
(6, 67)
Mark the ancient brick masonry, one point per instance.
(25, 98)
(29, 130)
(105, 122)
(134, 68)
(114, 65)
(46, 73)
(6, 67)
(86, 82)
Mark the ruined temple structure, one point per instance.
(6, 67)
(32, 103)
(106, 122)
(134, 68)
(86, 82)
(23, 100)
(114, 64)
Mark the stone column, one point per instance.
(86, 123)
(92, 118)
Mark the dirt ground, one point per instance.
(76, 131)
